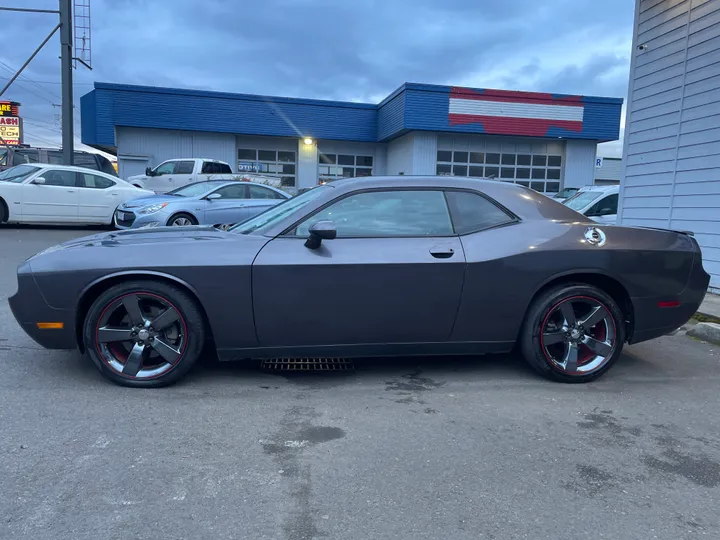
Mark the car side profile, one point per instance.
(381, 266)
(57, 194)
(212, 203)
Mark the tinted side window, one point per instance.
(106, 166)
(25, 156)
(208, 168)
(259, 192)
(95, 182)
(236, 191)
(224, 168)
(54, 157)
(166, 168)
(85, 160)
(184, 167)
(472, 212)
(59, 178)
(610, 203)
(387, 214)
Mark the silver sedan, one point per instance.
(210, 203)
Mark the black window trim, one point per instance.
(513, 219)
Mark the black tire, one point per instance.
(182, 215)
(186, 340)
(541, 320)
(3, 211)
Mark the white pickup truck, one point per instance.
(175, 173)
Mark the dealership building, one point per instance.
(544, 141)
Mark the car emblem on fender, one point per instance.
(595, 236)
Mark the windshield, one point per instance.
(580, 200)
(17, 174)
(196, 189)
(270, 217)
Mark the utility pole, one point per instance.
(66, 56)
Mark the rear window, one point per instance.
(224, 168)
(472, 212)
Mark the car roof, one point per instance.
(69, 168)
(522, 201)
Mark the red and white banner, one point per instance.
(503, 112)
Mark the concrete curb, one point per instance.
(706, 331)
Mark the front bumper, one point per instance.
(30, 308)
(127, 219)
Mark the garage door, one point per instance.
(280, 164)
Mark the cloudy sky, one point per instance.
(357, 50)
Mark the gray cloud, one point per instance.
(333, 49)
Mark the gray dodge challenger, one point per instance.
(377, 266)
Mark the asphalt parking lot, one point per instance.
(436, 448)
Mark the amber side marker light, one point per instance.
(672, 303)
(50, 325)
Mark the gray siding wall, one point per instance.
(612, 169)
(425, 153)
(672, 135)
(579, 163)
(400, 155)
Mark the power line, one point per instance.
(22, 78)
(54, 82)
(41, 139)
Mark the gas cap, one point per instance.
(595, 236)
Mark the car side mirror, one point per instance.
(213, 196)
(39, 180)
(319, 231)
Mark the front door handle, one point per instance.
(442, 253)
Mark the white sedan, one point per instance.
(42, 193)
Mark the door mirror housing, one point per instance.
(149, 172)
(319, 231)
(213, 196)
(39, 180)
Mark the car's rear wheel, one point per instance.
(182, 220)
(573, 333)
(144, 333)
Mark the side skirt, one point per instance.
(369, 350)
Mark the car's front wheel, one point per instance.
(573, 333)
(182, 220)
(144, 333)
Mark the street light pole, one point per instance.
(66, 52)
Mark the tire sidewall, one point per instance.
(530, 343)
(185, 305)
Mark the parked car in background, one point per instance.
(599, 203)
(42, 193)
(383, 266)
(565, 193)
(9, 157)
(213, 203)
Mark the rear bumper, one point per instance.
(652, 320)
(30, 308)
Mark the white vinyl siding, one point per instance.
(672, 137)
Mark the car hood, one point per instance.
(151, 199)
(157, 235)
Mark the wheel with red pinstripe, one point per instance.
(573, 333)
(144, 333)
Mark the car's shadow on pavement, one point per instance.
(419, 370)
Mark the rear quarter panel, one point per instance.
(507, 267)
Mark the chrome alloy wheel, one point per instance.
(141, 335)
(181, 222)
(578, 335)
